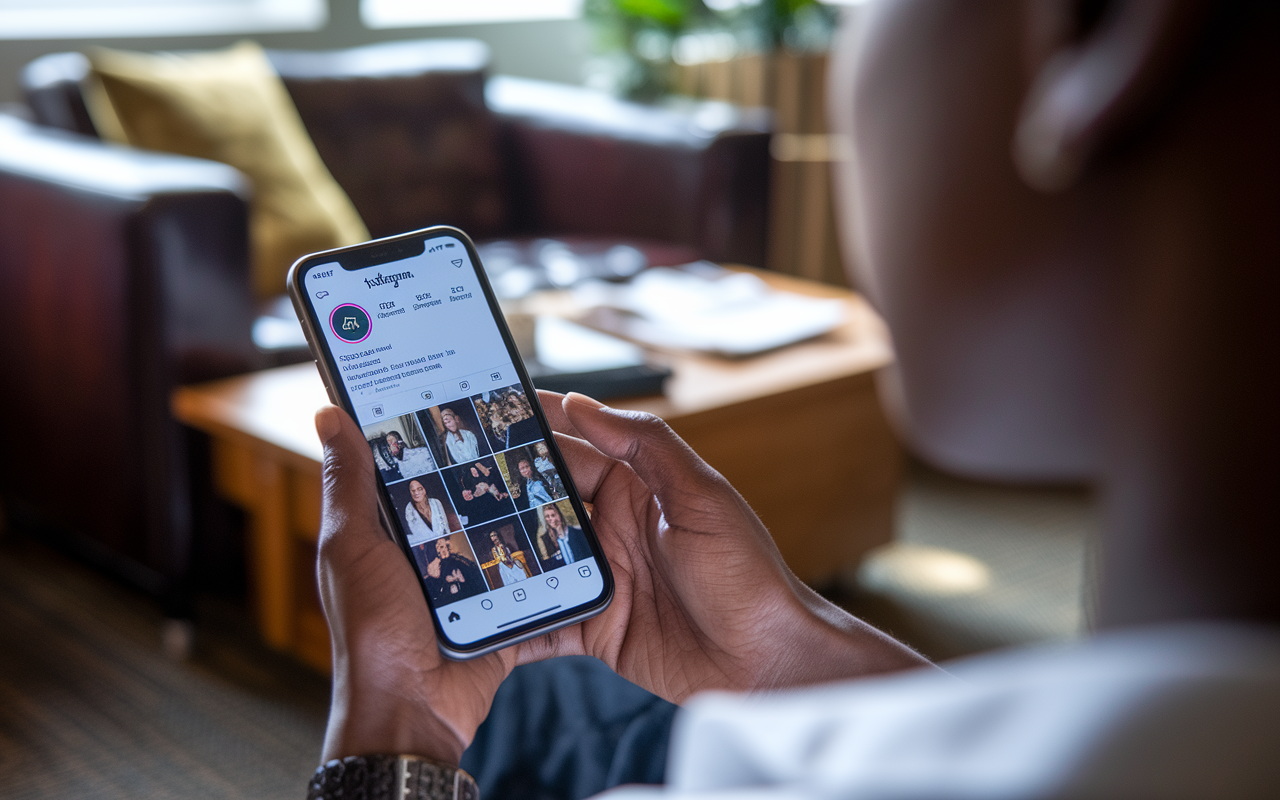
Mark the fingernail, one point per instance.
(582, 399)
(327, 423)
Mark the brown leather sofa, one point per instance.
(125, 273)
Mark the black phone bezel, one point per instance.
(389, 250)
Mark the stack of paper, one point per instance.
(706, 308)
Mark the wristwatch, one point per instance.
(388, 777)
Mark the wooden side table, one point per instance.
(799, 432)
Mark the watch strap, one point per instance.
(390, 777)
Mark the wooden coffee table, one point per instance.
(799, 432)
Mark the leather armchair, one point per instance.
(123, 274)
(126, 273)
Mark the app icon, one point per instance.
(486, 604)
(584, 572)
(518, 594)
(350, 323)
(457, 262)
(427, 395)
(497, 376)
(454, 616)
(553, 581)
(321, 295)
(464, 385)
(378, 411)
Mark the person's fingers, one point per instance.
(587, 465)
(553, 406)
(350, 501)
(660, 457)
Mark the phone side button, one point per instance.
(332, 400)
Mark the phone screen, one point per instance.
(474, 484)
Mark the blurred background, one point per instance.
(648, 183)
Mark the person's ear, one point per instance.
(1098, 67)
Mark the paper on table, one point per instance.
(567, 347)
(706, 308)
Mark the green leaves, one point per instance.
(670, 14)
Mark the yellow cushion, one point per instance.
(230, 106)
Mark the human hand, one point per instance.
(433, 568)
(467, 495)
(703, 598)
(393, 692)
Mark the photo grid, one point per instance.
(473, 484)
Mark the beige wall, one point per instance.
(549, 50)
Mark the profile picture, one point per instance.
(558, 538)
(478, 491)
(504, 552)
(531, 479)
(424, 508)
(400, 450)
(457, 431)
(448, 569)
(506, 417)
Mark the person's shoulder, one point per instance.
(1165, 711)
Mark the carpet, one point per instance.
(90, 707)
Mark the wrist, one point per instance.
(372, 720)
(817, 641)
(365, 728)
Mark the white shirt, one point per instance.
(1185, 711)
(415, 461)
(462, 446)
(420, 530)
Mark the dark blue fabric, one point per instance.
(566, 729)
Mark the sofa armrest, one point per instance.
(581, 162)
(168, 233)
(53, 85)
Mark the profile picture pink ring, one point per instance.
(350, 323)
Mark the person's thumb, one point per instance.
(350, 501)
(673, 472)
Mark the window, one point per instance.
(75, 19)
(411, 13)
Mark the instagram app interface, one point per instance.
(494, 538)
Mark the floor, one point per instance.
(90, 706)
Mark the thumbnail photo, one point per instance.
(507, 417)
(400, 449)
(557, 535)
(532, 480)
(424, 508)
(448, 569)
(479, 493)
(457, 431)
(504, 551)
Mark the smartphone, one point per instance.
(409, 339)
